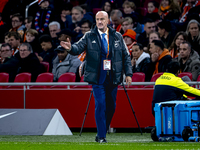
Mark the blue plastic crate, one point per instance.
(172, 117)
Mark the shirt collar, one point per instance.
(100, 32)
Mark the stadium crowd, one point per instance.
(155, 32)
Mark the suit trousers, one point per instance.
(105, 104)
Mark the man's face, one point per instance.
(153, 36)
(161, 32)
(127, 9)
(126, 25)
(16, 22)
(127, 40)
(23, 51)
(194, 29)
(102, 21)
(62, 55)
(153, 48)
(64, 13)
(85, 28)
(46, 45)
(115, 20)
(13, 42)
(76, 15)
(184, 51)
(136, 52)
(149, 27)
(6, 52)
(29, 37)
(53, 29)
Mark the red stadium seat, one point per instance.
(137, 77)
(4, 77)
(22, 77)
(153, 79)
(182, 74)
(142, 11)
(43, 77)
(66, 77)
(83, 86)
(46, 65)
(95, 10)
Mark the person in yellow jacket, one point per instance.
(169, 87)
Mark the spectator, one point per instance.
(152, 7)
(17, 25)
(6, 52)
(128, 23)
(28, 24)
(64, 62)
(170, 87)
(194, 35)
(87, 12)
(85, 25)
(3, 29)
(189, 60)
(190, 4)
(174, 48)
(130, 39)
(168, 10)
(6, 38)
(140, 60)
(165, 31)
(152, 36)
(54, 27)
(160, 58)
(129, 8)
(77, 16)
(9, 63)
(116, 19)
(48, 54)
(65, 18)
(14, 41)
(28, 62)
(32, 39)
(43, 17)
(149, 26)
(108, 7)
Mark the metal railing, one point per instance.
(28, 84)
(27, 7)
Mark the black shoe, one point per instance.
(97, 138)
(103, 140)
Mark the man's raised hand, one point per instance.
(66, 45)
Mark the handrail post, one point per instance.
(24, 96)
(27, 7)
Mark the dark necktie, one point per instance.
(105, 44)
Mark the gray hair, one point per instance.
(28, 46)
(116, 12)
(54, 23)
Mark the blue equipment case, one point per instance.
(176, 119)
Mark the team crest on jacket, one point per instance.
(116, 44)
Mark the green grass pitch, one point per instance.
(116, 141)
